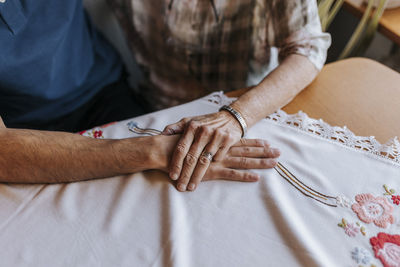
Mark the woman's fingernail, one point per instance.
(191, 186)
(181, 187)
(173, 176)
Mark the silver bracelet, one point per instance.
(238, 117)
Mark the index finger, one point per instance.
(252, 142)
(232, 175)
(180, 152)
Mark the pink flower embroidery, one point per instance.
(98, 134)
(94, 133)
(373, 209)
(351, 230)
(396, 199)
(387, 249)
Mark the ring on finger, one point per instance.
(207, 155)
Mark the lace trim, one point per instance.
(219, 98)
(339, 135)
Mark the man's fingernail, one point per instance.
(181, 187)
(275, 152)
(191, 186)
(173, 176)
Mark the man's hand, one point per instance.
(242, 156)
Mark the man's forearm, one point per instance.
(29, 156)
(277, 89)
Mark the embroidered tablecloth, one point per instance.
(142, 220)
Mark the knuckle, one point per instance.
(184, 179)
(269, 163)
(231, 173)
(175, 169)
(196, 179)
(246, 176)
(204, 161)
(259, 142)
(230, 138)
(205, 130)
(181, 147)
(192, 125)
(221, 150)
(191, 160)
(219, 132)
(243, 162)
(247, 150)
(274, 162)
(265, 162)
(243, 141)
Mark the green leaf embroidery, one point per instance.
(362, 230)
(388, 192)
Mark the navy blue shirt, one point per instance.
(52, 60)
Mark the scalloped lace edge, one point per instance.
(389, 151)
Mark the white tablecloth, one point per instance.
(142, 220)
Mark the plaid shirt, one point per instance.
(189, 48)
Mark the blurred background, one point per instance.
(361, 28)
(367, 28)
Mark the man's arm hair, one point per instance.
(32, 156)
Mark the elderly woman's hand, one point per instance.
(204, 138)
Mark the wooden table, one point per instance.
(389, 24)
(360, 93)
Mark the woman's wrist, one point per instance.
(250, 105)
(232, 120)
(238, 117)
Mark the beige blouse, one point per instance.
(189, 48)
